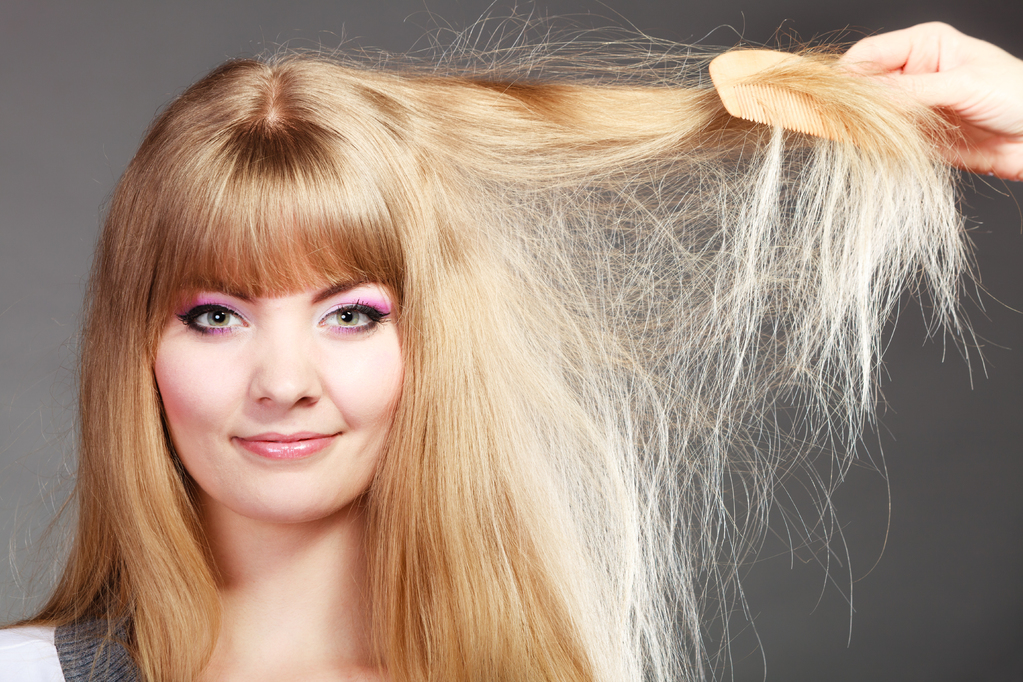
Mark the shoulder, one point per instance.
(27, 654)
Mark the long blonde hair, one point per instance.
(606, 288)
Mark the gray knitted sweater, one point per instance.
(88, 653)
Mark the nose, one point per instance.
(285, 373)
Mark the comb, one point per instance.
(735, 77)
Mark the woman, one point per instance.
(383, 374)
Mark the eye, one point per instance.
(353, 318)
(211, 318)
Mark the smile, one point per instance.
(281, 446)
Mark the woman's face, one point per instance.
(279, 407)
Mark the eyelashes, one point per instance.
(349, 318)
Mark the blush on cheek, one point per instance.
(178, 404)
(195, 389)
(390, 370)
(367, 386)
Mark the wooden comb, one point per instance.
(735, 76)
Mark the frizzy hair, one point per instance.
(605, 287)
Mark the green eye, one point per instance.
(217, 318)
(349, 318)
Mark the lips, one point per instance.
(286, 446)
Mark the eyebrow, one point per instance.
(338, 288)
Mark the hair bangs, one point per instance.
(276, 211)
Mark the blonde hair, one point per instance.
(606, 287)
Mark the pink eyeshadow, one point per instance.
(373, 301)
(202, 299)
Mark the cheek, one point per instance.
(365, 386)
(196, 394)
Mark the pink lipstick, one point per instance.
(286, 446)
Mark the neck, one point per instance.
(294, 597)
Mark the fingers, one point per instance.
(878, 54)
(976, 84)
(924, 48)
(933, 89)
(996, 156)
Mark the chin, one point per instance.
(292, 508)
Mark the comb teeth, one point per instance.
(774, 106)
(734, 75)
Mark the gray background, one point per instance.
(79, 82)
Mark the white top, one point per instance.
(27, 654)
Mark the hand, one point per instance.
(979, 85)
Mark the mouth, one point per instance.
(286, 446)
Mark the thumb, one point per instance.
(878, 54)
